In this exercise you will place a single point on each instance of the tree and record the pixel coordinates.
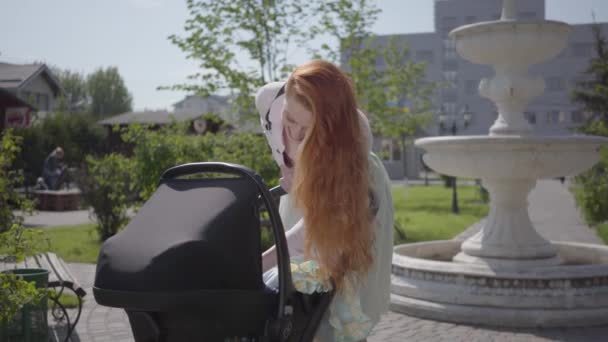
(348, 23)
(240, 45)
(407, 105)
(109, 95)
(75, 96)
(221, 35)
(592, 94)
(395, 96)
(591, 190)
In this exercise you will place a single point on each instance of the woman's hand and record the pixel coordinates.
(286, 180)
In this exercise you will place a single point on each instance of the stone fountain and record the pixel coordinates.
(507, 274)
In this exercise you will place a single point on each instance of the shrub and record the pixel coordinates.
(157, 150)
(591, 187)
(16, 244)
(105, 186)
(591, 192)
(10, 179)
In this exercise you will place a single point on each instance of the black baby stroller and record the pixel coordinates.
(188, 265)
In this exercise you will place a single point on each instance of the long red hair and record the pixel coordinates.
(331, 183)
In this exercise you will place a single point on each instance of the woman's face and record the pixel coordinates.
(296, 122)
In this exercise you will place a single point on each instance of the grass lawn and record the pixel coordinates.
(424, 213)
(602, 231)
(75, 243)
(69, 301)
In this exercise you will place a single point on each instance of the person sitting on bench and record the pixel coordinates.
(54, 172)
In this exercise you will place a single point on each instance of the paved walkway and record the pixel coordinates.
(554, 215)
(42, 219)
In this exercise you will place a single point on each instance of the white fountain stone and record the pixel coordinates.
(508, 167)
(507, 274)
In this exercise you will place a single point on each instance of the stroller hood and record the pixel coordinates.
(192, 234)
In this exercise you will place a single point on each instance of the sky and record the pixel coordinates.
(83, 35)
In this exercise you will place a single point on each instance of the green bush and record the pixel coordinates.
(105, 186)
(591, 187)
(591, 192)
(157, 150)
(10, 179)
(16, 244)
(78, 134)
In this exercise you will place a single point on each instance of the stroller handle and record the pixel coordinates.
(285, 284)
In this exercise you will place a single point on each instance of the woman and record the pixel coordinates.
(339, 196)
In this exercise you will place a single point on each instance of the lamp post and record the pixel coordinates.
(450, 123)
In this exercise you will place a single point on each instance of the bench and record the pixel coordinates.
(60, 279)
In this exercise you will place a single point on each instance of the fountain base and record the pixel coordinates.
(427, 284)
(513, 264)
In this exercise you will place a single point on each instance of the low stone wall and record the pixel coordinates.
(60, 200)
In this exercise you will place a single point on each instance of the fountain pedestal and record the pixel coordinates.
(508, 239)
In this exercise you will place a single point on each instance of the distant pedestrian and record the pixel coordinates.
(54, 170)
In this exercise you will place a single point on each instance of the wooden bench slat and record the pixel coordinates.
(44, 263)
(55, 267)
(62, 269)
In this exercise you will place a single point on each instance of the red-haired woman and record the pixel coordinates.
(339, 205)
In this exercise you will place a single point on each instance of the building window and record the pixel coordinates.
(396, 155)
(449, 95)
(425, 55)
(470, 87)
(582, 49)
(450, 77)
(450, 65)
(526, 15)
(449, 54)
(531, 117)
(42, 101)
(552, 117)
(385, 154)
(391, 150)
(555, 84)
(449, 44)
(26, 96)
(562, 54)
(449, 108)
(449, 49)
(470, 19)
(448, 24)
(577, 116)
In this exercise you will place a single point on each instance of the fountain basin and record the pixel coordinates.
(426, 283)
(509, 42)
(511, 157)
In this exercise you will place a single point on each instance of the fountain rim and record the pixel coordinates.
(512, 140)
(559, 272)
(505, 25)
